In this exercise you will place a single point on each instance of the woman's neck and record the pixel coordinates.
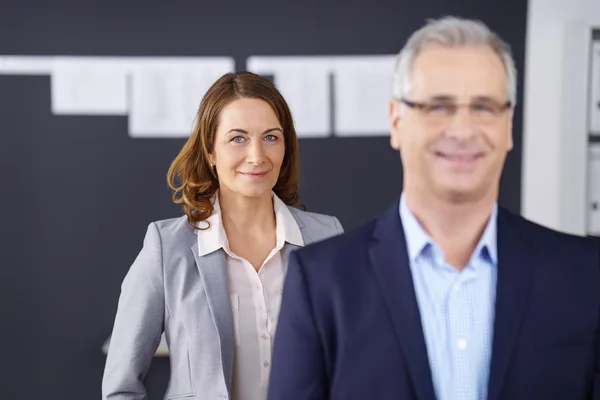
(244, 214)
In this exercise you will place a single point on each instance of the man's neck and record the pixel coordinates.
(456, 226)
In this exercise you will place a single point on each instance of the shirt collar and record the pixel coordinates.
(417, 239)
(214, 237)
(287, 228)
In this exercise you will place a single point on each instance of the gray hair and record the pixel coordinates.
(452, 32)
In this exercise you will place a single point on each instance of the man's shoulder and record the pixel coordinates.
(547, 238)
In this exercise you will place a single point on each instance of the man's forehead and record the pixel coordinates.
(458, 56)
(459, 72)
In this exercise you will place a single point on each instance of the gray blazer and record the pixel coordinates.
(170, 289)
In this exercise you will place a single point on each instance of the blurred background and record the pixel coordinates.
(97, 98)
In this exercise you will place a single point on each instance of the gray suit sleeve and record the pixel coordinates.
(138, 325)
(338, 225)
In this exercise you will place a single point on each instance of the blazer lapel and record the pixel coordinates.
(288, 247)
(213, 271)
(389, 259)
(285, 253)
(516, 261)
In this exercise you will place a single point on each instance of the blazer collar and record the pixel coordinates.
(390, 262)
(212, 267)
(517, 261)
(213, 272)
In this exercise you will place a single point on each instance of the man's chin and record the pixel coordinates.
(460, 191)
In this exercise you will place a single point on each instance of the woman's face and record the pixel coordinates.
(249, 148)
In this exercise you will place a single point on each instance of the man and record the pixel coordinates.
(447, 295)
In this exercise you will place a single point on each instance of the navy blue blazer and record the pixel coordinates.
(349, 326)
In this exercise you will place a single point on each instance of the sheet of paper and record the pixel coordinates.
(362, 89)
(88, 86)
(165, 96)
(594, 190)
(25, 65)
(304, 82)
(594, 110)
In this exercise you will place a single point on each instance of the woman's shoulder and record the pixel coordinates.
(316, 221)
(170, 224)
(173, 230)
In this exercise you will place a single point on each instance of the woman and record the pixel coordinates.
(212, 279)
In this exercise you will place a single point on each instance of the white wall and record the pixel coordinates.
(554, 131)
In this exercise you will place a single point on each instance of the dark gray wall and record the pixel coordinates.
(78, 193)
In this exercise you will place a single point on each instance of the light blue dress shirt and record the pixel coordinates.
(456, 308)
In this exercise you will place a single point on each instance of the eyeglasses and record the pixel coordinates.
(485, 111)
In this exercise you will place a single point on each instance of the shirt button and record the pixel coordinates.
(266, 364)
(266, 336)
(461, 344)
(257, 287)
(261, 310)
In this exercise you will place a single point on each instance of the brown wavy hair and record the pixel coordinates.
(190, 176)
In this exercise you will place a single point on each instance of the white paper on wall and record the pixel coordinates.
(26, 65)
(594, 190)
(304, 83)
(88, 86)
(363, 88)
(594, 99)
(164, 96)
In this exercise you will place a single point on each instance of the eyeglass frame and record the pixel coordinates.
(421, 106)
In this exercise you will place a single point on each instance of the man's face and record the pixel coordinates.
(454, 140)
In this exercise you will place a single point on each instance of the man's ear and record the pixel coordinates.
(510, 141)
(394, 115)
